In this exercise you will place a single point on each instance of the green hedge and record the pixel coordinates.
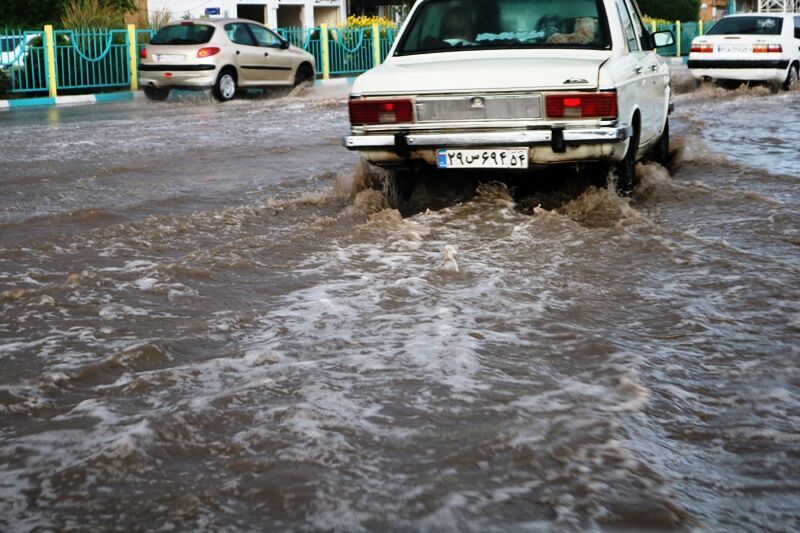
(671, 9)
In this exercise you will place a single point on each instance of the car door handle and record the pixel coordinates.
(638, 70)
(266, 54)
(654, 68)
(238, 52)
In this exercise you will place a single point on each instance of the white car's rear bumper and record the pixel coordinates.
(546, 146)
(744, 70)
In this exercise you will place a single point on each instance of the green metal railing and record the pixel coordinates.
(23, 61)
(350, 51)
(684, 32)
(92, 59)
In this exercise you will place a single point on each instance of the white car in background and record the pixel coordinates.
(13, 49)
(495, 86)
(761, 47)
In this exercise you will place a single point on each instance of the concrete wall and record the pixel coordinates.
(334, 12)
(291, 16)
(326, 15)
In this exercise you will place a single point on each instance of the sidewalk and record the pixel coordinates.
(78, 99)
(122, 96)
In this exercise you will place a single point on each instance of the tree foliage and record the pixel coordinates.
(91, 14)
(685, 10)
(32, 14)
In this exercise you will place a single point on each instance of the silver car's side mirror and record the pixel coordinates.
(662, 39)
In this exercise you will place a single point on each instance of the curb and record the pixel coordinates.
(335, 81)
(79, 99)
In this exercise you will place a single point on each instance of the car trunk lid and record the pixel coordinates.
(477, 73)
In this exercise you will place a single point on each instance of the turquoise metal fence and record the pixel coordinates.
(351, 51)
(23, 60)
(387, 40)
(688, 31)
(92, 59)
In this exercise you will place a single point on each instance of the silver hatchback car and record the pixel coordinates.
(223, 55)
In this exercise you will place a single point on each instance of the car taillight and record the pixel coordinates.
(143, 53)
(208, 52)
(365, 112)
(767, 49)
(702, 48)
(582, 105)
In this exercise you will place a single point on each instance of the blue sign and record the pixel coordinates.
(212, 11)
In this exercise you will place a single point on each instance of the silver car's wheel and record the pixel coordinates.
(793, 78)
(225, 88)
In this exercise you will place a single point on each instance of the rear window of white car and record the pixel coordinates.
(748, 26)
(185, 33)
(9, 44)
(449, 25)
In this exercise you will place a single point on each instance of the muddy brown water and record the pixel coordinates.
(207, 324)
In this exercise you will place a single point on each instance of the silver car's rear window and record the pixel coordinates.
(184, 34)
(748, 26)
(449, 25)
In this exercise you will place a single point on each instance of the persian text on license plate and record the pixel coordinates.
(735, 48)
(490, 158)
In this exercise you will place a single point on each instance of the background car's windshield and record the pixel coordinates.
(442, 25)
(748, 26)
(184, 34)
(8, 44)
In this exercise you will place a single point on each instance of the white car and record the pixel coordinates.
(13, 49)
(753, 47)
(494, 85)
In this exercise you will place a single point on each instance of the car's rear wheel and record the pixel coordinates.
(158, 94)
(660, 152)
(793, 78)
(225, 87)
(304, 74)
(626, 169)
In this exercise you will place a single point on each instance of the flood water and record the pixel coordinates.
(208, 323)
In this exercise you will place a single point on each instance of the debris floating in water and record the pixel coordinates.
(450, 263)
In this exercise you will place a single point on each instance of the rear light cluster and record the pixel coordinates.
(767, 49)
(582, 105)
(208, 52)
(702, 48)
(143, 53)
(373, 112)
(398, 111)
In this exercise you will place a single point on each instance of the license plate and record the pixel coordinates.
(166, 58)
(490, 158)
(735, 48)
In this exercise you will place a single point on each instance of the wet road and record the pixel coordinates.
(209, 323)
